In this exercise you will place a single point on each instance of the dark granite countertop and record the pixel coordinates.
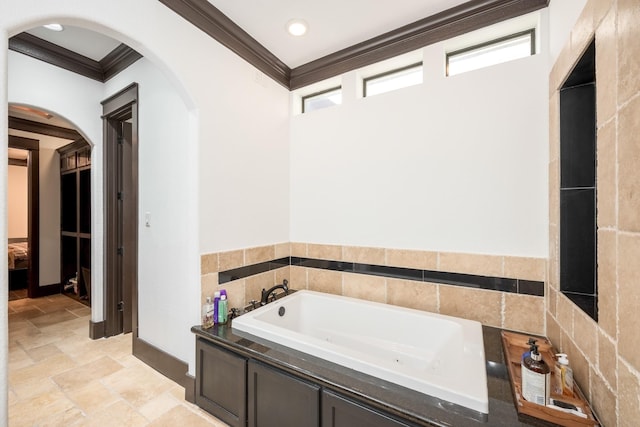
(411, 405)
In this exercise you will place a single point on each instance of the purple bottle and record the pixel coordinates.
(216, 300)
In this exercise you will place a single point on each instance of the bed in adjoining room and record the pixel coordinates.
(18, 251)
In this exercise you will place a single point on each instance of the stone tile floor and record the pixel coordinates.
(17, 294)
(58, 376)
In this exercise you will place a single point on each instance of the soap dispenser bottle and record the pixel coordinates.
(530, 343)
(563, 376)
(535, 378)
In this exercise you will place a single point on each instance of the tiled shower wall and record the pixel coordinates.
(508, 310)
(605, 354)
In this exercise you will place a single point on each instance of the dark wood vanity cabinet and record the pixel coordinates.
(279, 399)
(338, 411)
(244, 392)
(221, 383)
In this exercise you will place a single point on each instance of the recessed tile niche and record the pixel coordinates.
(578, 230)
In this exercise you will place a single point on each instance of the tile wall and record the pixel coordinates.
(605, 354)
(509, 310)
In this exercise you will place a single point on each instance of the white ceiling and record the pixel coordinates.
(85, 42)
(333, 24)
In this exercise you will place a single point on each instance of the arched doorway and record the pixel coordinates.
(41, 133)
(161, 136)
(100, 58)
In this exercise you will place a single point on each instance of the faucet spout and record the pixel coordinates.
(264, 298)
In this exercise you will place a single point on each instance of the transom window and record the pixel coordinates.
(494, 52)
(324, 99)
(392, 80)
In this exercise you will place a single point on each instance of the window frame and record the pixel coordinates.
(531, 32)
(314, 94)
(388, 73)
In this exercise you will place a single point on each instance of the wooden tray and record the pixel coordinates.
(514, 346)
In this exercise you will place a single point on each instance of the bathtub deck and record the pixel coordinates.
(389, 397)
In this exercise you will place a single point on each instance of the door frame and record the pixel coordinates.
(33, 221)
(123, 104)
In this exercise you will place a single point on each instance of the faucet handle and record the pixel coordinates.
(253, 303)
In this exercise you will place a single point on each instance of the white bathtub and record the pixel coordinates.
(437, 355)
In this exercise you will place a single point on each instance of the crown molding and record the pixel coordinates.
(118, 60)
(53, 54)
(216, 24)
(35, 47)
(461, 19)
(43, 128)
(469, 16)
(23, 143)
(18, 162)
(73, 146)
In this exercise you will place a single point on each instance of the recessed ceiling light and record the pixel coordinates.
(54, 27)
(296, 27)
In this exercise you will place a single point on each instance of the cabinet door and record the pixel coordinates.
(221, 383)
(277, 399)
(340, 412)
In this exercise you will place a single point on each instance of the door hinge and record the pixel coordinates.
(120, 139)
(121, 306)
(120, 195)
(120, 250)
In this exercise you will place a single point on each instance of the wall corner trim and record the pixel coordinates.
(97, 330)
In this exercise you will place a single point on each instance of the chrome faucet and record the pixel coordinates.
(264, 299)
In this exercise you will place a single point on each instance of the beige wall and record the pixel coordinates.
(17, 196)
(501, 309)
(49, 214)
(605, 355)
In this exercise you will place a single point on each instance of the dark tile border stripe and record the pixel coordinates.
(518, 286)
(250, 270)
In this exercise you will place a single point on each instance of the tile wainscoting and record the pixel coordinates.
(605, 354)
(499, 291)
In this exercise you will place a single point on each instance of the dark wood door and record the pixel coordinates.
(340, 412)
(121, 211)
(276, 399)
(127, 224)
(120, 121)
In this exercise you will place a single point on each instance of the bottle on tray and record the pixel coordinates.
(535, 378)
